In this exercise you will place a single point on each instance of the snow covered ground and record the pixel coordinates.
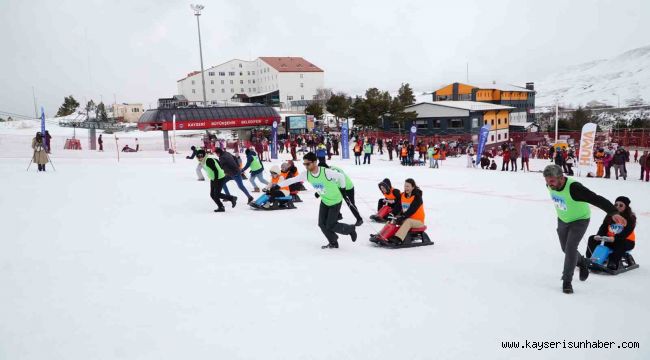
(101, 260)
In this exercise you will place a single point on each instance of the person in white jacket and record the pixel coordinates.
(470, 156)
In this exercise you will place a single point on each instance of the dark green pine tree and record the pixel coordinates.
(69, 106)
(315, 109)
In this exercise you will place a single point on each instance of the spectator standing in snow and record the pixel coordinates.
(199, 166)
(40, 154)
(100, 141)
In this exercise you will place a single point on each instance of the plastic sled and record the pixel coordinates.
(264, 202)
(294, 196)
(382, 214)
(600, 259)
(415, 237)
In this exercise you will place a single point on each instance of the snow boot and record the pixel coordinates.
(200, 179)
(567, 288)
(359, 222)
(250, 199)
(220, 210)
(330, 246)
(584, 269)
(233, 201)
(395, 240)
(256, 189)
(353, 235)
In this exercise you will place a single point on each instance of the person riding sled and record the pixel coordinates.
(274, 197)
(389, 202)
(411, 212)
(624, 241)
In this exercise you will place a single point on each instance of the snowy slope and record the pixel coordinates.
(626, 76)
(100, 260)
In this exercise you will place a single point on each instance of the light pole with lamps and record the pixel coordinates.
(197, 12)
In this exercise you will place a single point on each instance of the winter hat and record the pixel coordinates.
(624, 199)
(275, 169)
(200, 153)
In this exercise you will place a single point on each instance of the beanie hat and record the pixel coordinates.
(624, 199)
(275, 169)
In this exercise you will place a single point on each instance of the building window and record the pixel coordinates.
(301, 76)
(302, 85)
(492, 122)
(222, 82)
(456, 123)
(192, 82)
(241, 90)
(222, 73)
(223, 90)
(498, 121)
(241, 81)
(231, 82)
(253, 81)
(254, 90)
(249, 89)
(253, 72)
(491, 138)
(231, 73)
(422, 124)
(213, 91)
(232, 90)
(498, 136)
(302, 97)
(211, 73)
(289, 97)
(240, 65)
(474, 123)
(211, 82)
(436, 124)
(248, 73)
(193, 91)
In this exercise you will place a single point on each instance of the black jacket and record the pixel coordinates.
(627, 230)
(229, 164)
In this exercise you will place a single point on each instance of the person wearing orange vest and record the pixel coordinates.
(623, 241)
(276, 177)
(391, 196)
(411, 212)
(357, 153)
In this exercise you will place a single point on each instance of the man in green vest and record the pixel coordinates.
(572, 201)
(330, 188)
(367, 151)
(217, 178)
(349, 194)
(256, 167)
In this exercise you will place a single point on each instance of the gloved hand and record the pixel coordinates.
(317, 195)
(274, 187)
(399, 220)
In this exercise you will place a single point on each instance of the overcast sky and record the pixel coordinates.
(136, 50)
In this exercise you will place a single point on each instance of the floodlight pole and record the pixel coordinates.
(197, 12)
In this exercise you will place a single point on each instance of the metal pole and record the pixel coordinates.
(198, 26)
(35, 107)
(556, 119)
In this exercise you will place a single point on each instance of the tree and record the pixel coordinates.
(580, 117)
(323, 95)
(101, 112)
(405, 95)
(359, 111)
(69, 106)
(639, 123)
(377, 104)
(90, 106)
(339, 106)
(315, 109)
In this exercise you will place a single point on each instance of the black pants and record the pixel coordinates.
(328, 221)
(570, 235)
(366, 156)
(619, 248)
(390, 154)
(215, 192)
(41, 167)
(352, 205)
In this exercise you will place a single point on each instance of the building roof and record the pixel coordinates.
(250, 111)
(467, 105)
(502, 87)
(190, 74)
(290, 64)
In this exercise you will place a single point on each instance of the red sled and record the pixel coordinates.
(415, 237)
(382, 214)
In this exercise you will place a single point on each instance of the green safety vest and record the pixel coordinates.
(348, 182)
(220, 173)
(367, 148)
(255, 164)
(329, 191)
(567, 208)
